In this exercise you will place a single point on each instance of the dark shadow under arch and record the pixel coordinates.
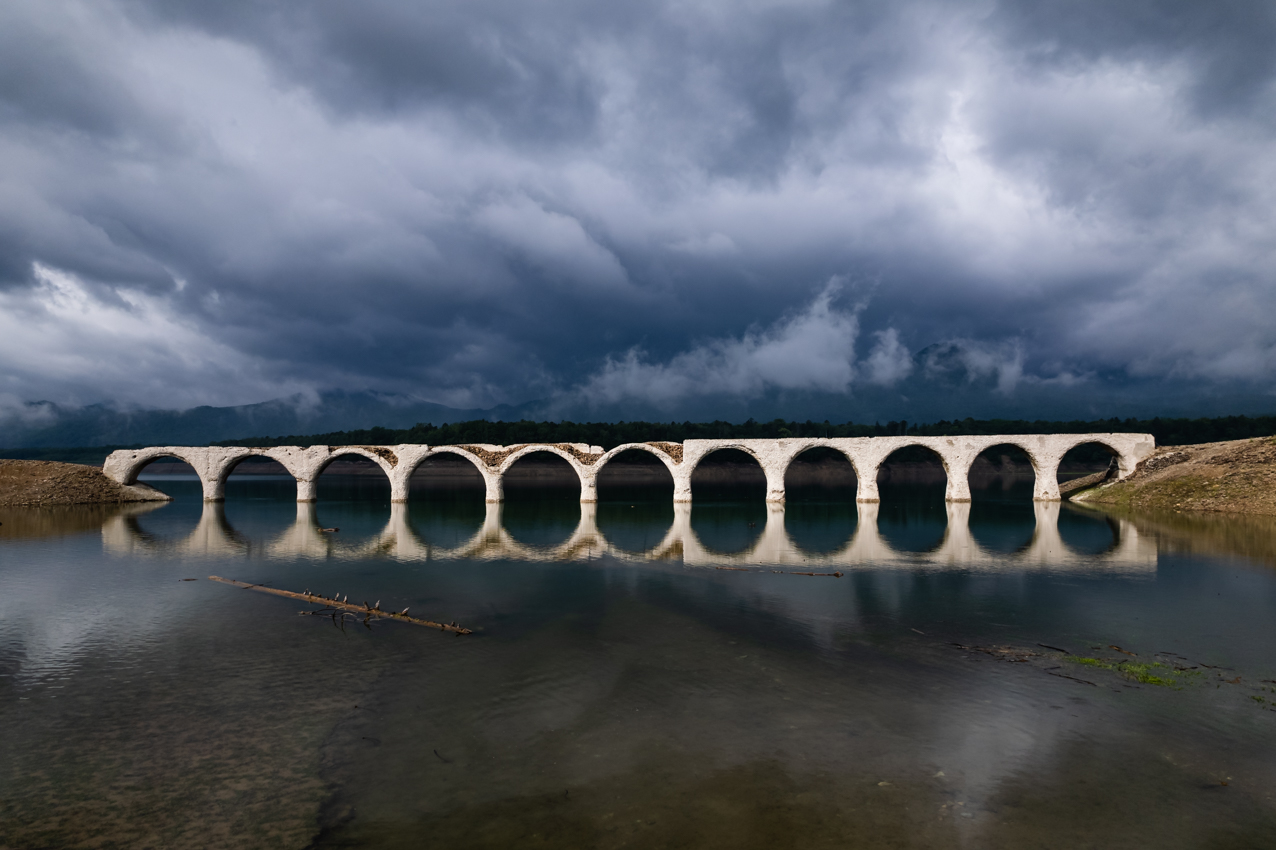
(1001, 483)
(728, 501)
(634, 471)
(912, 473)
(1002, 473)
(258, 477)
(351, 477)
(541, 475)
(446, 476)
(635, 501)
(1086, 459)
(259, 497)
(728, 475)
(170, 475)
(162, 465)
(542, 500)
(820, 474)
(912, 516)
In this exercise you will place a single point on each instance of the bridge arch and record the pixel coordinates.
(584, 476)
(1126, 460)
(1127, 449)
(916, 451)
(540, 523)
(229, 463)
(693, 463)
(383, 458)
(491, 481)
(630, 511)
(611, 455)
(1090, 450)
(649, 470)
(817, 450)
(995, 459)
(746, 460)
(523, 451)
(130, 468)
(125, 466)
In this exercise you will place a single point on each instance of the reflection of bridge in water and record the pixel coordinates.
(214, 536)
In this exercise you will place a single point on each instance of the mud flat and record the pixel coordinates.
(41, 483)
(1238, 476)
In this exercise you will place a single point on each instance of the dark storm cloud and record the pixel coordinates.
(489, 202)
(1229, 43)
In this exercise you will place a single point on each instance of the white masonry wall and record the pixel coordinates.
(866, 454)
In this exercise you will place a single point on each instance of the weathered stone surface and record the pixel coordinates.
(866, 454)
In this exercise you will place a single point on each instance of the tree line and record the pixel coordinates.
(1168, 432)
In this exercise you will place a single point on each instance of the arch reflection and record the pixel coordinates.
(405, 537)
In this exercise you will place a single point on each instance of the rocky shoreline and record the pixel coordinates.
(44, 483)
(1238, 476)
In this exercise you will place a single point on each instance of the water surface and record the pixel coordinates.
(641, 674)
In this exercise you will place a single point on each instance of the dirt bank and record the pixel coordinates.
(37, 483)
(1232, 477)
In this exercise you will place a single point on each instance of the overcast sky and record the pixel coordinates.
(643, 204)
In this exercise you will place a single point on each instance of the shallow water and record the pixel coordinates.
(641, 674)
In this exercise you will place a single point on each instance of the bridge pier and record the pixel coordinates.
(307, 490)
(1045, 488)
(775, 482)
(958, 488)
(682, 486)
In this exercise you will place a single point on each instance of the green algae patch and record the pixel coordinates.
(1143, 672)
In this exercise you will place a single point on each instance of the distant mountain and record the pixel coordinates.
(44, 424)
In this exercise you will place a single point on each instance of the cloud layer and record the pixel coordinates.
(483, 202)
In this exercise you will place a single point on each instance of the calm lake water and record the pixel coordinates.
(640, 675)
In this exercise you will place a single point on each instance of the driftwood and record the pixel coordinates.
(819, 575)
(780, 572)
(339, 605)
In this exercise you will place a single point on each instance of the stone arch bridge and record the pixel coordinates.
(214, 464)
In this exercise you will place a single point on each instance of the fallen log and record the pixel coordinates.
(365, 609)
(818, 575)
